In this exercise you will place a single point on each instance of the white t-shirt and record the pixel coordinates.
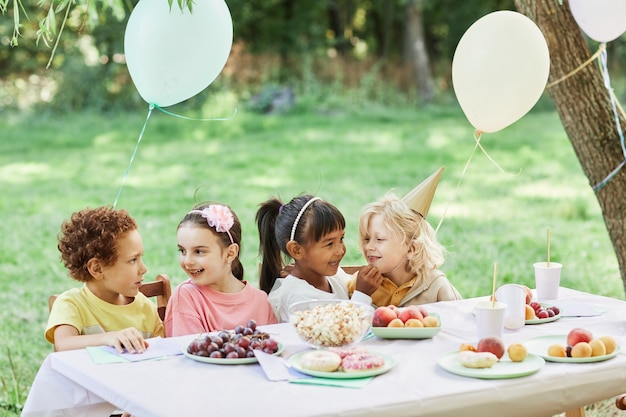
(291, 289)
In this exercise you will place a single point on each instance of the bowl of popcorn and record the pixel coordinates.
(330, 323)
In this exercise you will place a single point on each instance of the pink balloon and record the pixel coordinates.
(601, 20)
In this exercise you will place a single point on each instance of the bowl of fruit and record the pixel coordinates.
(232, 347)
(330, 323)
(410, 322)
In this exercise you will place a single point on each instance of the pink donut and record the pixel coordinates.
(320, 360)
(361, 362)
(345, 351)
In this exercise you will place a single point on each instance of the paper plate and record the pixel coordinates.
(294, 362)
(503, 369)
(539, 346)
(407, 332)
(548, 320)
(226, 361)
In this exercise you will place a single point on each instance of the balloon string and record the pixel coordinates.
(190, 118)
(477, 135)
(132, 158)
(614, 106)
(601, 48)
(477, 139)
(458, 184)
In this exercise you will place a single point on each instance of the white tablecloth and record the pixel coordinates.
(415, 386)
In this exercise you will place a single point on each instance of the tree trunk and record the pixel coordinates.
(416, 48)
(583, 104)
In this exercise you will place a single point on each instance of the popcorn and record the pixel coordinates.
(332, 324)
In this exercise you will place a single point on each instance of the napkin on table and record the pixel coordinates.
(159, 348)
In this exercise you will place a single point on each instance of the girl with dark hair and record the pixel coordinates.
(215, 297)
(310, 231)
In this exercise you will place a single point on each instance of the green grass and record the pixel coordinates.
(349, 154)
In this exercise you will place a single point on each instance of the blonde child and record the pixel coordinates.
(102, 247)
(396, 239)
(310, 231)
(215, 297)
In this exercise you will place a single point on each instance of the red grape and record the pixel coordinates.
(230, 344)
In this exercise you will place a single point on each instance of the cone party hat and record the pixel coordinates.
(421, 196)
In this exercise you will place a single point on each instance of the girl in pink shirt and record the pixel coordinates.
(215, 297)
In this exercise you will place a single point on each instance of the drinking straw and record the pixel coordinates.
(548, 247)
(493, 288)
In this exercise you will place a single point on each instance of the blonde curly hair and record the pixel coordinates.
(425, 252)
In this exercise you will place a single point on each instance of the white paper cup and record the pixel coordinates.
(514, 296)
(547, 280)
(489, 318)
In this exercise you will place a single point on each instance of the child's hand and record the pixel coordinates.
(368, 280)
(130, 339)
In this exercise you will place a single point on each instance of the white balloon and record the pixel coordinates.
(500, 69)
(601, 20)
(174, 54)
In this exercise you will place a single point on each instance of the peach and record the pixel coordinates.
(491, 344)
(529, 294)
(578, 335)
(406, 313)
(597, 347)
(557, 350)
(530, 313)
(423, 311)
(396, 323)
(581, 350)
(413, 323)
(517, 352)
(609, 344)
(383, 316)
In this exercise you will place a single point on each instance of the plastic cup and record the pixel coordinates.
(514, 296)
(547, 280)
(489, 318)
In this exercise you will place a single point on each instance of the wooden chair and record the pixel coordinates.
(161, 288)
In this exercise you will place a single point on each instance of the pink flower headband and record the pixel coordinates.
(218, 216)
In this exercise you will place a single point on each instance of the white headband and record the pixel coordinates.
(295, 222)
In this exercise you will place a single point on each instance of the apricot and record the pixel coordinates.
(530, 313)
(609, 344)
(597, 347)
(557, 350)
(396, 323)
(467, 346)
(430, 321)
(491, 344)
(413, 323)
(581, 350)
(578, 335)
(517, 352)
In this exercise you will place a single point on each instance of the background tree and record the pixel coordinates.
(583, 104)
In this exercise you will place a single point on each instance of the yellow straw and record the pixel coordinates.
(548, 248)
(493, 288)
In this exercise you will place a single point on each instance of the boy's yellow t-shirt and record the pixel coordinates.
(80, 308)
